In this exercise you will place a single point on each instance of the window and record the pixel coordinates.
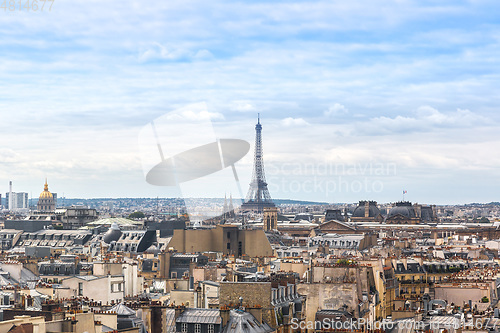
(184, 327)
(228, 235)
(197, 328)
(116, 287)
(80, 288)
(211, 328)
(229, 246)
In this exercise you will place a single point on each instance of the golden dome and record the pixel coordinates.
(46, 194)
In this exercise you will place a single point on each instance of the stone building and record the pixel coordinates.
(46, 200)
(278, 298)
(270, 218)
(344, 286)
(333, 214)
(404, 212)
(338, 227)
(228, 239)
(367, 211)
(105, 289)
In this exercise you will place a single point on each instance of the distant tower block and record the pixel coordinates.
(258, 195)
(270, 218)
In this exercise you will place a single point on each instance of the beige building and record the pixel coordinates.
(132, 281)
(227, 239)
(270, 218)
(278, 299)
(385, 285)
(336, 286)
(25, 323)
(462, 293)
(105, 289)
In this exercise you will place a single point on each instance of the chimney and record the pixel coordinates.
(191, 283)
(156, 318)
(405, 262)
(179, 310)
(224, 313)
(200, 297)
(256, 311)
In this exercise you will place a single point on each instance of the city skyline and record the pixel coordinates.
(372, 99)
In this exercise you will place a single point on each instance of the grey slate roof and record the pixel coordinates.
(200, 316)
(170, 320)
(241, 321)
(122, 310)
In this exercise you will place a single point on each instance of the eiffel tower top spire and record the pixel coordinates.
(231, 207)
(258, 195)
(225, 208)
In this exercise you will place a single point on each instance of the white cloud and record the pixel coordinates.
(243, 106)
(8, 155)
(157, 51)
(75, 69)
(191, 115)
(461, 117)
(336, 110)
(289, 122)
(203, 55)
(426, 119)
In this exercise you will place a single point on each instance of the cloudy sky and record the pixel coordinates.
(358, 99)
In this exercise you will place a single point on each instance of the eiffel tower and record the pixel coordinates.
(258, 195)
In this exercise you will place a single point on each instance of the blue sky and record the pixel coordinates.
(361, 87)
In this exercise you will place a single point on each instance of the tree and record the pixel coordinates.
(485, 299)
(136, 215)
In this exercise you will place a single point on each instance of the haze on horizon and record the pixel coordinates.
(357, 100)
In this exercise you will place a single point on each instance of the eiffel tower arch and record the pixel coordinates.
(258, 196)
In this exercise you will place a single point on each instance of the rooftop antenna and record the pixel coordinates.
(10, 206)
(157, 220)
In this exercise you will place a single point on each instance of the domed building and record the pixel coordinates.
(404, 212)
(113, 234)
(367, 211)
(46, 200)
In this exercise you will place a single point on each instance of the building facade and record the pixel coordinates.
(46, 201)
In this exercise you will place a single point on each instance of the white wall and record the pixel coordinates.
(104, 289)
